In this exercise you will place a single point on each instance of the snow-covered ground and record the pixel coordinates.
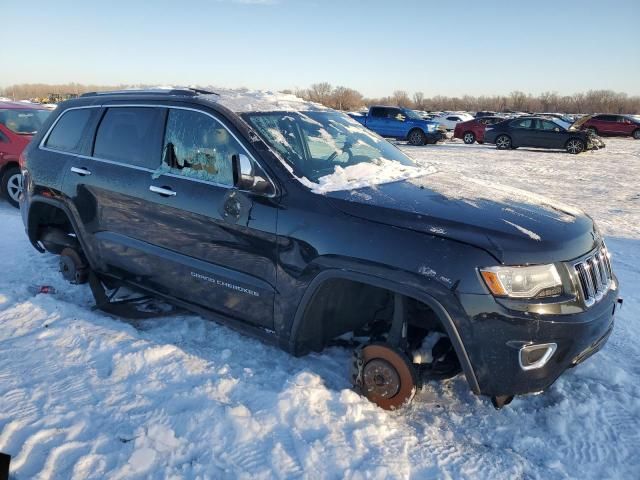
(84, 395)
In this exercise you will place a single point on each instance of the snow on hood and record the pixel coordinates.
(241, 101)
(366, 174)
(473, 190)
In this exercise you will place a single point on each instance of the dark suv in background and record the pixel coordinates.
(298, 225)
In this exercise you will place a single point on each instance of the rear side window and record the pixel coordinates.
(378, 112)
(69, 131)
(525, 123)
(131, 135)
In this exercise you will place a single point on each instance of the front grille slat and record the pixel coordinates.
(594, 275)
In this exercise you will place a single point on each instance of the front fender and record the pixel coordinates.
(394, 285)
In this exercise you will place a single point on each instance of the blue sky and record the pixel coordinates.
(439, 48)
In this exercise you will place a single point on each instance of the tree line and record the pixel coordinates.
(344, 98)
(592, 101)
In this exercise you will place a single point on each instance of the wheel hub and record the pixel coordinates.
(380, 379)
(385, 376)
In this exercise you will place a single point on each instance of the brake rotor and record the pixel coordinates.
(388, 377)
(72, 266)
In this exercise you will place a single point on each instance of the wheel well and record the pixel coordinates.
(46, 219)
(468, 131)
(342, 307)
(8, 165)
(415, 129)
(573, 138)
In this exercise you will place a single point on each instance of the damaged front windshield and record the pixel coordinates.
(316, 144)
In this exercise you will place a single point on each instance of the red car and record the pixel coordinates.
(620, 125)
(18, 123)
(473, 130)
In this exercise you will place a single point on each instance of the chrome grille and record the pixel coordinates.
(594, 275)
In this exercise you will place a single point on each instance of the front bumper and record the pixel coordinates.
(498, 334)
(435, 136)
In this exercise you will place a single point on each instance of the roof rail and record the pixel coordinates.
(186, 91)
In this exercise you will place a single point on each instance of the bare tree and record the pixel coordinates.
(344, 98)
(418, 101)
(320, 92)
(401, 98)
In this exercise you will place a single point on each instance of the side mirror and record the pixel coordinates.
(244, 175)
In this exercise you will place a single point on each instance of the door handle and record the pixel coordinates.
(164, 191)
(80, 171)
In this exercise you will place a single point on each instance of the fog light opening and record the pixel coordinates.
(536, 356)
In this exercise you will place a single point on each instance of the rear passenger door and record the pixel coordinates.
(108, 186)
(378, 121)
(522, 132)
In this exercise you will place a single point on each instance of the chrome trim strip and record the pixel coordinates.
(42, 146)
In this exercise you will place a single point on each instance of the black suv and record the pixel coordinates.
(295, 223)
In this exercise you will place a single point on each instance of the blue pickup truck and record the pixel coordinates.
(401, 124)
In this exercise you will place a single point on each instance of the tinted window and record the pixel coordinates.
(524, 123)
(547, 125)
(454, 119)
(395, 114)
(68, 133)
(131, 135)
(378, 112)
(606, 118)
(3, 138)
(23, 121)
(198, 146)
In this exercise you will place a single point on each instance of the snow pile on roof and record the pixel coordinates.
(366, 174)
(262, 101)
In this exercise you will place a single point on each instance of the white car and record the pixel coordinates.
(450, 120)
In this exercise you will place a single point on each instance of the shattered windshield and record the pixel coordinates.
(317, 143)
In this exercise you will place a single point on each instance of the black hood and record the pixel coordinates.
(515, 226)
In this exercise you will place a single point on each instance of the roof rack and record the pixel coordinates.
(186, 91)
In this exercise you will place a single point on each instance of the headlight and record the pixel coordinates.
(523, 282)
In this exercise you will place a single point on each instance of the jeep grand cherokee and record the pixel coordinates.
(293, 222)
